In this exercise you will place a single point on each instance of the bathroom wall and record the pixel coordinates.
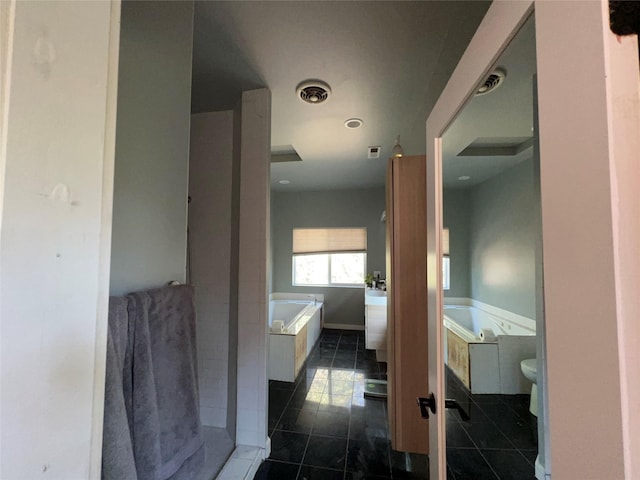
(56, 165)
(253, 248)
(502, 240)
(210, 239)
(457, 218)
(152, 145)
(334, 208)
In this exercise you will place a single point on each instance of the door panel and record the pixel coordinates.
(406, 303)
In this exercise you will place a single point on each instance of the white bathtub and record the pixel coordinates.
(301, 316)
(293, 313)
(491, 365)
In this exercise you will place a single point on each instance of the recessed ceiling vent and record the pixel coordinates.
(493, 81)
(313, 91)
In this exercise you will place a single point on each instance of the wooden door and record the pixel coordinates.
(407, 302)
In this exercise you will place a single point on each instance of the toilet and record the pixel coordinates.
(530, 371)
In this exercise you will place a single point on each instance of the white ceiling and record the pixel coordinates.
(386, 63)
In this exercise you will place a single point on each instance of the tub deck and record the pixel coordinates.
(491, 366)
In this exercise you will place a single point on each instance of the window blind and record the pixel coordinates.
(328, 240)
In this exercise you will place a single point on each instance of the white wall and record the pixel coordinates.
(625, 118)
(592, 371)
(210, 230)
(152, 146)
(332, 208)
(253, 243)
(58, 130)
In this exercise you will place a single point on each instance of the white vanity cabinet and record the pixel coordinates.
(375, 322)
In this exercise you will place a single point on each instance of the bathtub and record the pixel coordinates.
(295, 322)
(294, 314)
(490, 364)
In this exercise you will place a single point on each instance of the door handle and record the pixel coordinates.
(429, 403)
(452, 403)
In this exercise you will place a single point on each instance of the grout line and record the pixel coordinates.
(346, 451)
(346, 448)
(314, 418)
(303, 455)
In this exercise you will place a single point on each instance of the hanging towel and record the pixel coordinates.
(166, 428)
(117, 450)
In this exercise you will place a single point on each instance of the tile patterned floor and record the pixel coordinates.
(322, 427)
(500, 442)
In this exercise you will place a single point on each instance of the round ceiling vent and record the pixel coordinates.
(493, 81)
(313, 91)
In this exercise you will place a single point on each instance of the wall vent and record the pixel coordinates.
(493, 81)
(374, 152)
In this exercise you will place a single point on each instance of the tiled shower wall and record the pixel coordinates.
(252, 269)
(210, 189)
(229, 218)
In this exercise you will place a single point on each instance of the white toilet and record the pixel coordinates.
(530, 370)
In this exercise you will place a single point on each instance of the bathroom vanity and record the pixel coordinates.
(375, 322)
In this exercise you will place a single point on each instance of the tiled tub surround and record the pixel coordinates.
(322, 427)
(490, 364)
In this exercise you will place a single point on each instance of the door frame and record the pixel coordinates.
(499, 26)
(590, 211)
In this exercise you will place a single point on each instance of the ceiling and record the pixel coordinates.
(498, 124)
(386, 63)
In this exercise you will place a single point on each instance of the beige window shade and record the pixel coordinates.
(326, 240)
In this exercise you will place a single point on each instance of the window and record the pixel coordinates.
(445, 273)
(446, 278)
(329, 256)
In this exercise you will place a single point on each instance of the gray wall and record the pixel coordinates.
(457, 218)
(493, 230)
(152, 145)
(504, 230)
(336, 208)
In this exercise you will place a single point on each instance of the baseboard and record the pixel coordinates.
(343, 326)
(243, 463)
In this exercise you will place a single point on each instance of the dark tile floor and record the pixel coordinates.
(499, 442)
(322, 427)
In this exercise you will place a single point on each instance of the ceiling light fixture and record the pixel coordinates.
(464, 178)
(397, 149)
(313, 91)
(285, 182)
(353, 123)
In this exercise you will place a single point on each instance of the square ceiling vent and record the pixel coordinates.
(374, 152)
